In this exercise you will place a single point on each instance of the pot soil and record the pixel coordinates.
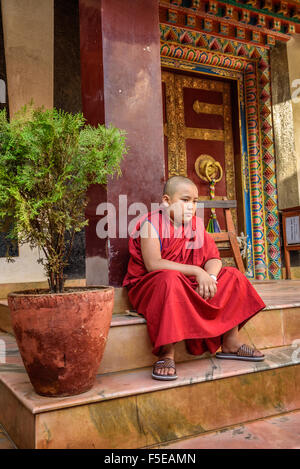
(62, 336)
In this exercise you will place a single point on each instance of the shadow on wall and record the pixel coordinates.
(67, 94)
(3, 79)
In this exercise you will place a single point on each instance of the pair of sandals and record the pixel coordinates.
(244, 353)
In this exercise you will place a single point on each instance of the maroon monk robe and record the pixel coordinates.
(168, 299)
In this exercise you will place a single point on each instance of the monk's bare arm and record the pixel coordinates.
(150, 247)
(213, 266)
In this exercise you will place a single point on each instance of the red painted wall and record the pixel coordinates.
(121, 84)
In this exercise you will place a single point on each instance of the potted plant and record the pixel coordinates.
(48, 159)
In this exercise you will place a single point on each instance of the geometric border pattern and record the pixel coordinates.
(253, 62)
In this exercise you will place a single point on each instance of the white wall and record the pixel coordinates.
(28, 29)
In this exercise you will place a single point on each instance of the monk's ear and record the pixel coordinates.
(165, 200)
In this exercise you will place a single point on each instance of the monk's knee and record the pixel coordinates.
(169, 275)
(234, 272)
(231, 270)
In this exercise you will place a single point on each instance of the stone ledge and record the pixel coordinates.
(131, 410)
(5, 442)
(270, 328)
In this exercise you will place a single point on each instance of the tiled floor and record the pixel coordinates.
(281, 432)
(279, 293)
(5, 443)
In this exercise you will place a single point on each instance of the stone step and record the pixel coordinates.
(129, 409)
(5, 442)
(280, 432)
(278, 325)
(270, 328)
(128, 334)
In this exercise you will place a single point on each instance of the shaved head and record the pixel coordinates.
(174, 182)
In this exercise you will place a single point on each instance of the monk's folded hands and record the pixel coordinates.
(207, 287)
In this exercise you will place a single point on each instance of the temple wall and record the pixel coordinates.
(284, 127)
(28, 38)
(42, 58)
(293, 53)
(28, 41)
(128, 90)
(43, 63)
(67, 95)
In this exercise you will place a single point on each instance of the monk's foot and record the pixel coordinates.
(166, 371)
(232, 346)
(166, 352)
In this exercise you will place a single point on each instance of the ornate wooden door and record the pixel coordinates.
(197, 122)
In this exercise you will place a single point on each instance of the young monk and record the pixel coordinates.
(176, 281)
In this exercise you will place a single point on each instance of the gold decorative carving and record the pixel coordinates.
(229, 156)
(170, 127)
(204, 134)
(206, 108)
(165, 129)
(177, 132)
(208, 169)
(185, 65)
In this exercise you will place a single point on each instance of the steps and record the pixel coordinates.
(5, 442)
(278, 325)
(128, 409)
(270, 328)
(281, 432)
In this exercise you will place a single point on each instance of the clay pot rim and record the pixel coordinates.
(81, 290)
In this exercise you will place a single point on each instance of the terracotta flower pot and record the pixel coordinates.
(62, 336)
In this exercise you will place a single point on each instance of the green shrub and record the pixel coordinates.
(48, 159)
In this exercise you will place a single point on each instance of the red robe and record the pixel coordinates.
(168, 299)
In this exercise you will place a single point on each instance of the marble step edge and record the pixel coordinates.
(221, 430)
(123, 384)
(131, 317)
(125, 318)
(267, 330)
(132, 313)
(5, 440)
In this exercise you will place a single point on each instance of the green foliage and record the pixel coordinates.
(48, 159)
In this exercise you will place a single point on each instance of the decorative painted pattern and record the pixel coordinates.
(264, 22)
(253, 63)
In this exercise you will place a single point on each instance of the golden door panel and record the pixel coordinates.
(197, 122)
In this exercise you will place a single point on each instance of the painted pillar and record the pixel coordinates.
(121, 84)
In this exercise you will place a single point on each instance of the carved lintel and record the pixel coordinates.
(207, 108)
(204, 134)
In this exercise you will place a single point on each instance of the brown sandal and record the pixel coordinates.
(244, 353)
(164, 363)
